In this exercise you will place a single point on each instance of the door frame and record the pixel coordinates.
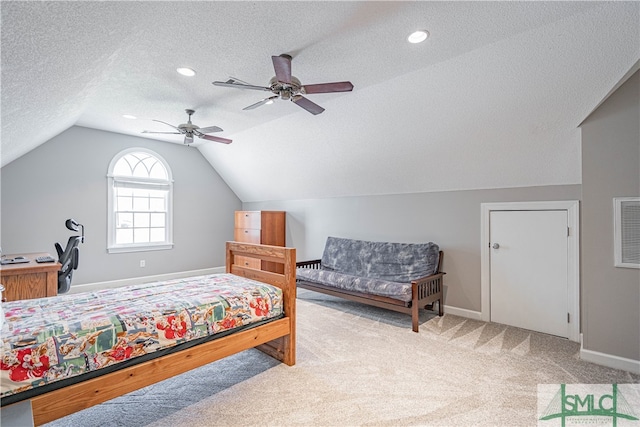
(572, 207)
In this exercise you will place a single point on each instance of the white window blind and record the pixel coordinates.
(627, 231)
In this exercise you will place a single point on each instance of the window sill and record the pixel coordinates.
(145, 248)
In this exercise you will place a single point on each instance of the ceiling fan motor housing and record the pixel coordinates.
(188, 127)
(285, 90)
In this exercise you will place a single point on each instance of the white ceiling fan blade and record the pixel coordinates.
(236, 84)
(210, 129)
(237, 80)
(168, 124)
(259, 103)
(168, 133)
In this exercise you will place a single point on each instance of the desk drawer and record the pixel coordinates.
(24, 286)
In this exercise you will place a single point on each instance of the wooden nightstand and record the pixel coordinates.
(29, 280)
(262, 227)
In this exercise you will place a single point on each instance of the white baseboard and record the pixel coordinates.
(90, 287)
(462, 312)
(610, 360)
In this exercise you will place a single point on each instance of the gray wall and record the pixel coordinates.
(610, 168)
(451, 219)
(66, 177)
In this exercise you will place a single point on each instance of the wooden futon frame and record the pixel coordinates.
(276, 338)
(424, 292)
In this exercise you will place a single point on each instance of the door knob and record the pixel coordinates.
(495, 246)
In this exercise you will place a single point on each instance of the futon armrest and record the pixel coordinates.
(428, 285)
(314, 264)
(429, 278)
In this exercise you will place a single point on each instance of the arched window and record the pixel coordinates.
(140, 191)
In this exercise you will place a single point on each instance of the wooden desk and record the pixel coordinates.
(29, 280)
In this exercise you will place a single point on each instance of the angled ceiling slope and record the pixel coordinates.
(491, 99)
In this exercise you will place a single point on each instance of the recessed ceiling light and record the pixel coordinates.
(418, 36)
(129, 116)
(186, 71)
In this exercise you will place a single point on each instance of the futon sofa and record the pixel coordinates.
(403, 277)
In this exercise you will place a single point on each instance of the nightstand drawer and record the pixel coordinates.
(248, 262)
(248, 219)
(246, 235)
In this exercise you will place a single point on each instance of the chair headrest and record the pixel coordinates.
(72, 224)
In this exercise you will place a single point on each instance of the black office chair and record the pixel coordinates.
(69, 257)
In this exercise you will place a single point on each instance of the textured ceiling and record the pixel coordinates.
(492, 99)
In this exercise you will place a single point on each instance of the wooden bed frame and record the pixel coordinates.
(276, 338)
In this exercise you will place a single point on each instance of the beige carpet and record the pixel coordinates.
(360, 366)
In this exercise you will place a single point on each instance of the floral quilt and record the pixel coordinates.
(49, 339)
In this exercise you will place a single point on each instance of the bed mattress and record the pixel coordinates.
(53, 339)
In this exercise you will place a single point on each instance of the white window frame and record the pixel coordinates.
(112, 247)
(618, 231)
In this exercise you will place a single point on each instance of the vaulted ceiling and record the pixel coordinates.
(492, 99)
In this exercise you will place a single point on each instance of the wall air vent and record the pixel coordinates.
(626, 212)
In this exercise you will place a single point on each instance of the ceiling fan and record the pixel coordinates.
(189, 130)
(285, 86)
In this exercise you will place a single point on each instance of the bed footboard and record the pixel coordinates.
(282, 348)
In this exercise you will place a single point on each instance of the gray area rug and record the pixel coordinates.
(359, 366)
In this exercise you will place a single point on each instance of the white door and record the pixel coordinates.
(528, 270)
